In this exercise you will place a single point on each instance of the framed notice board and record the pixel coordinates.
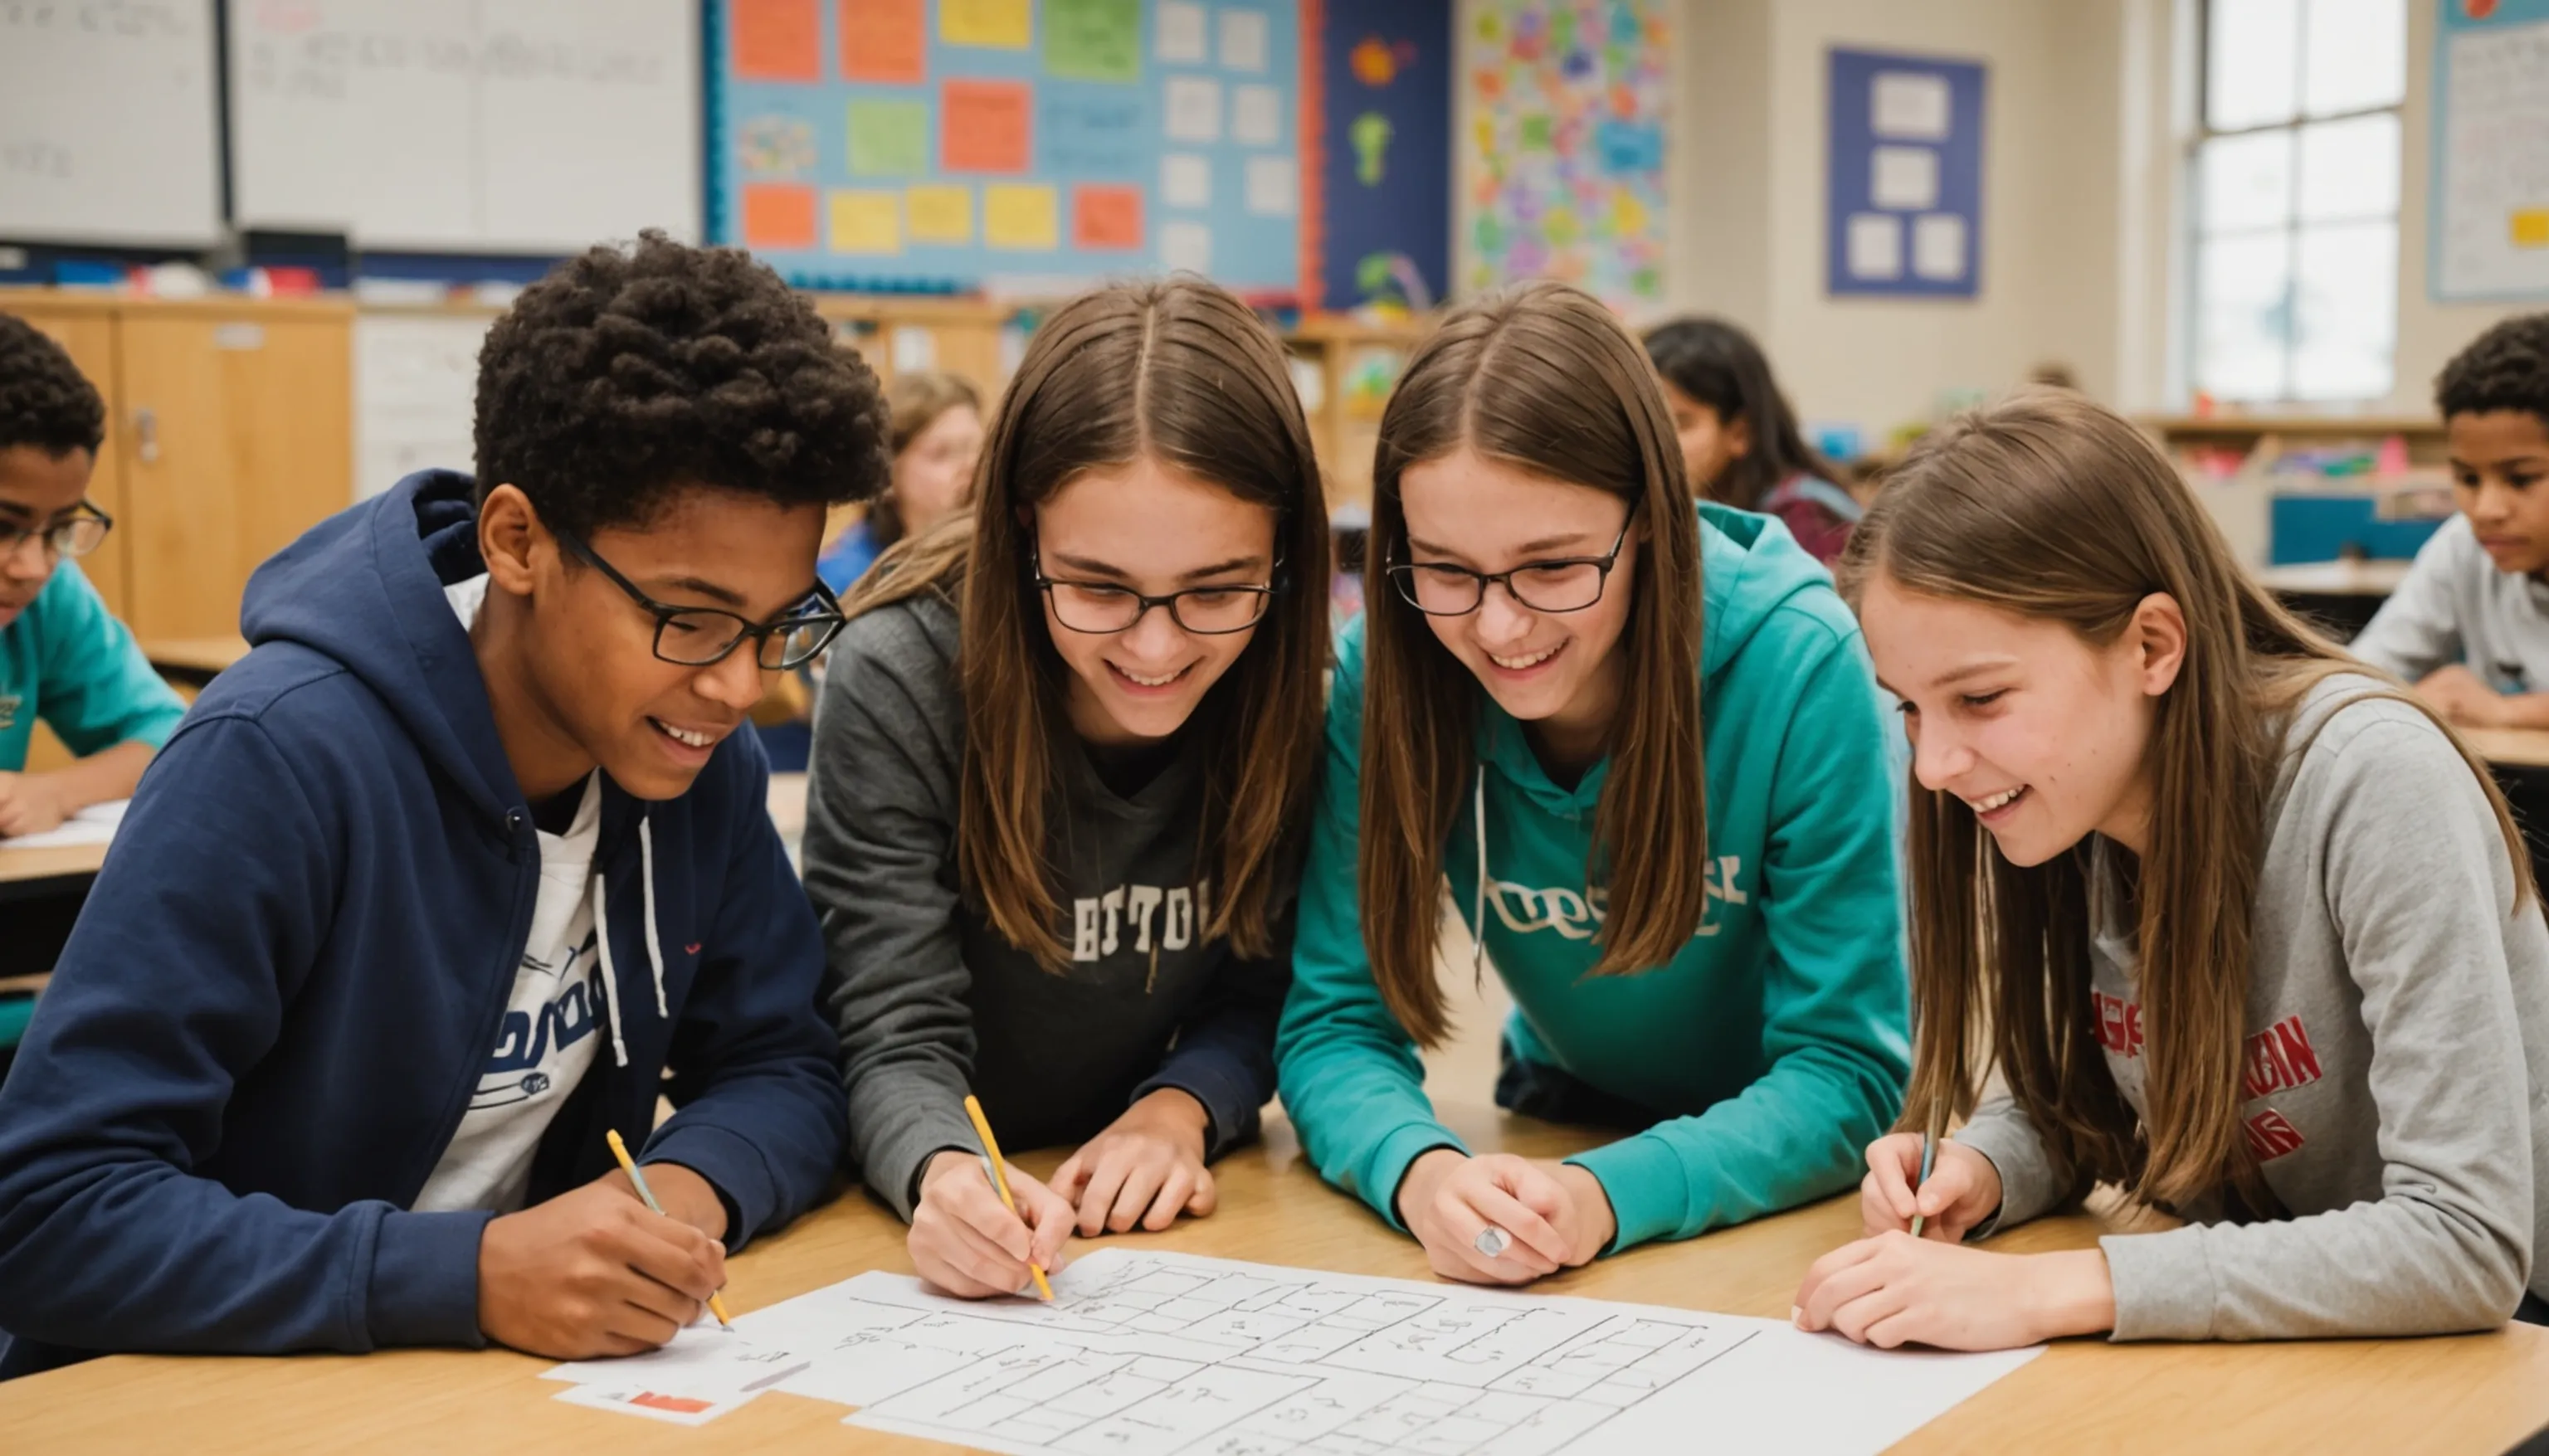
(1904, 177)
(1027, 144)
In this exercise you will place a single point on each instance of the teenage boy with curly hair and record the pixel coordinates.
(460, 864)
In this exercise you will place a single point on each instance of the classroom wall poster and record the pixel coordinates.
(2489, 230)
(1563, 169)
(1904, 176)
(1020, 146)
(1381, 228)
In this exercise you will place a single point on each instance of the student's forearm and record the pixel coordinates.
(100, 777)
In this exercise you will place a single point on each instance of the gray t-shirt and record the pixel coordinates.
(2395, 1069)
(2456, 607)
(931, 1001)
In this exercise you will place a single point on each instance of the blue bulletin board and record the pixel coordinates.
(1027, 144)
(1380, 227)
(1904, 178)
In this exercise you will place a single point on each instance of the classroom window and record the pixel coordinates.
(2295, 184)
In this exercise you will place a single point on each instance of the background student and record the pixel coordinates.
(1062, 875)
(435, 886)
(2253, 936)
(1739, 441)
(935, 433)
(2468, 626)
(1642, 744)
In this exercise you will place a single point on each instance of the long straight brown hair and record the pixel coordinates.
(1179, 372)
(1545, 379)
(2051, 507)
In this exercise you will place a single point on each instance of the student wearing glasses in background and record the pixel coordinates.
(1065, 754)
(1642, 744)
(466, 864)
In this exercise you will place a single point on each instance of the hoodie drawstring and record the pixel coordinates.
(1478, 898)
(654, 948)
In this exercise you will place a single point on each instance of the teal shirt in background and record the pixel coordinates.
(1775, 1044)
(67, 661)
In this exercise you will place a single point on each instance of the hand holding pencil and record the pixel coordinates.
(966, 1240)
(1931, 1187)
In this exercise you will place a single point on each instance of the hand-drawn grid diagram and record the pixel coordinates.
(1277, 1368)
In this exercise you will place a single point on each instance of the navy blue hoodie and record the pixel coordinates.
(291, 972)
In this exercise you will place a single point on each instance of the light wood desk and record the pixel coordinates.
(2476, 1394)
(2515, 748)
(194, 660)
(25, 873)
(2336, 578)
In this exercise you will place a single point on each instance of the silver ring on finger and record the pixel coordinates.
(1492, 1242)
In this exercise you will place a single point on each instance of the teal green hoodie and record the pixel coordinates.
(1774, 1042)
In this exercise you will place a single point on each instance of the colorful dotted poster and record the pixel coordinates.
(1563, 169)
(1031, 145)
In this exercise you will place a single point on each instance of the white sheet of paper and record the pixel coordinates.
(1274, 186)
(1185, 247)
(1876, 245)
(1909, 106)
(1185, 180)
(1150, 1353)
(638, 1400)
(1256, 115)
(94, 824)
(1182, 33)
(1904, 178)
(1938, 247)
(1243, 40)
(1194, 109)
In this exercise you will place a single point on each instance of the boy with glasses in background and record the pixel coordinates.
(464, 866)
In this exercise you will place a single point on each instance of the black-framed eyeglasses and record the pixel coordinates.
(76, 534)
(697, 636)
(1098, 607)
(1560, 583)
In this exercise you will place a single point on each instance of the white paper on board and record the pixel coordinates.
(1274, 186)
(1181, 31)
(1243, 40)
(1194, 109)
(1185, 247)
(915, 349)
(1257, 116)
(1904, 178)
(1938, 247)
(1876, 246)
(1909, 106)
(1185, 180)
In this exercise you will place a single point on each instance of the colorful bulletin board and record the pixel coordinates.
(1026, 144)
(2489, 225)
(1563, 169)
(1381, 231)
(1904, 181)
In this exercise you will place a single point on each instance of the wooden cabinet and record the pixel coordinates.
(90, 338)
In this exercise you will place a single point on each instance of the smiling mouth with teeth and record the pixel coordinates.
(1999, 800)
(681, 735)
(1518, 664)
(1139, 680)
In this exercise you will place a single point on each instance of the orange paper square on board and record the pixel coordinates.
(777, 218)
(1107, 217)
(776, 39)
(985, 125)
(886, 41)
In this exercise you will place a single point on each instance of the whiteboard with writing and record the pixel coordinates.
(2491, 196)
(470, 126)
(107, 121)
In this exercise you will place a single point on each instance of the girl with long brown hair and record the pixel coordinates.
(1640, 741)
(1065, 749)
(934, 431)
(2240, 927)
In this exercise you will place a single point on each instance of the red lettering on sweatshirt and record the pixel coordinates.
(2120, 1023)
(2280, 1058)
(2271, 1135)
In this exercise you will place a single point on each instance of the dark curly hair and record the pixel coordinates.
(2505, 368)
(626, 375)
(45, 401)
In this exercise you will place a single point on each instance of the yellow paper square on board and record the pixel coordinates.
(1021, 217)
(1007, 23)
(2531, 228)
(866, 222)
(940, 213)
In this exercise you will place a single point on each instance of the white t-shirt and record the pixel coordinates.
(553, 1022)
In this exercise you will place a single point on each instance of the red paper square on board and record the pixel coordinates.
(985, 125)
(886, 41)
(777, 218)
(1107, 217)
(776, 39)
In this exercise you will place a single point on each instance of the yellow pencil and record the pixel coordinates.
(1000, 1181)
(628, 1165)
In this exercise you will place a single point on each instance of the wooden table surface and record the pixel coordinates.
(2474, 1394)
(2518, 747)
(194, 659)
(20, 865)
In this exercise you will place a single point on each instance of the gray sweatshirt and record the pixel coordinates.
(931, 1001)
(2456, 607)
(2397, 1065)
